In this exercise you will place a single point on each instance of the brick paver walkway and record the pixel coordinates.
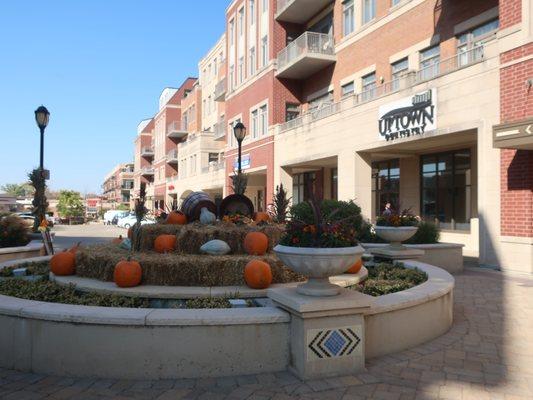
(488, 354)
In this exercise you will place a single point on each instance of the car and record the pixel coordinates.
(111, 214)
(130, 220)
(29, 216)
(29, 220)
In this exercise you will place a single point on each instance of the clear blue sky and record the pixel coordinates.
(99, 67)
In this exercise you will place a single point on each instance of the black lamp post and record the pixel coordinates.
(239, 130)
(41, 117)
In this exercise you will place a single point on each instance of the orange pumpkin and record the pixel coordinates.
(256, 243)
(261, 216)
(117, 240)
(74, 249)
(165, 243)
(176, 218)
(130, 232)
(63, 264)
(258, 274)
(127, 273)
(354, 269)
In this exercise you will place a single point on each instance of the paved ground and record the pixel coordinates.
(67, 236)
(488, 354)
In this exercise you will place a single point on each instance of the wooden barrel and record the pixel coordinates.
(236, 204)
(193, 204)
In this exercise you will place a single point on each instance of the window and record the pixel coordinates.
(385, 185)
(347, 89)
(264, 51)
(265, 5)
(334, 184)
(369, 10)
(398, 69)
(241, 22)
(369, 86)
(232, 140)
(241, 69)
(204, 108)
(446, 189)
(348, 19)
(395, 2)
(468, 44)
(252, 12)
(231, 32)
(292, 111)
(215, 67)
(303, 186)
(252, 61)
(255, 123)
(231, 77)
(263, 119)
(213, 158)
(209, 104)
(429, 62)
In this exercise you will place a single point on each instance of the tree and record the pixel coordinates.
(70, 204)
(18, 189)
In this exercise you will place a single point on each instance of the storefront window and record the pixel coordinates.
(334, 184)
(303, 187)
(386, 184)
(446, 192)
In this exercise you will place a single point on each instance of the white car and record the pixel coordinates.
(129, 221)
(110, 214)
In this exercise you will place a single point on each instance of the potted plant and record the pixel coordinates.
(319, 242)
(396, 227)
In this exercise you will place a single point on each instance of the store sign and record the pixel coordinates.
(413, 115)
(246, 162)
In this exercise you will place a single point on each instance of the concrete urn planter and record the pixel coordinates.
(396, 235)
(318, 264)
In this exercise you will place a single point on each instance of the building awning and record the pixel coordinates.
(515, 135)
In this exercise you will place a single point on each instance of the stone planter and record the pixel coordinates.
(396, 235)
(318, 264)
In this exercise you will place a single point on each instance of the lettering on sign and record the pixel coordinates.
(414, 115)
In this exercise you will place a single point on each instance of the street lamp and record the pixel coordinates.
(239, 130)
(41, 117)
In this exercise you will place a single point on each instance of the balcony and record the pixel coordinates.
(147, 152)
(308, 54)
(220, 131)
(299, 11)
(220, 90)
(148, 171)
(410, 79)
(172, 157)
(176, 130)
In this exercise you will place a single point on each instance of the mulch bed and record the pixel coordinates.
(177, 269)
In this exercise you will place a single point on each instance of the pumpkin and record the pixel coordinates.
(354, 269)
(62, 264)
(256, 243)
(261, 216)
(117, 240)
(176, 218)
(258, 274)
(165, 243)
(74, 249)
(130, 232)
(127, 273)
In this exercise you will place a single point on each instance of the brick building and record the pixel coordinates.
(422, 103)
(118, 186)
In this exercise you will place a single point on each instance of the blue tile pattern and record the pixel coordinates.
(334, 342)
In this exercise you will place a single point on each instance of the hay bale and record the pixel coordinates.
(98, 262)
(191, 237)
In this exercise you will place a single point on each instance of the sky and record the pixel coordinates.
(99, 67)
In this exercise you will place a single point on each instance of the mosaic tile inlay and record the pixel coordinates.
(330, 343)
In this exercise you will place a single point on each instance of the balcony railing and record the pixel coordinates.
(306, 55)
(172, 157)
(213, 166)
(299, 11)
(177, 129)
(220, 90)
(220, 130)
(147, 171)
(410, 79)
(147, 152)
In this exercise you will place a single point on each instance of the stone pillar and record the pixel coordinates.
(355, 180)
(327, 333)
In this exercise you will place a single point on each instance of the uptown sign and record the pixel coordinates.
(414, 115)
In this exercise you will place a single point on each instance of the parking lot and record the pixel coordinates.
(68, 235)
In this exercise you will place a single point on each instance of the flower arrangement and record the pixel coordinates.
(237, 219)
(395, 219)
(337, 228)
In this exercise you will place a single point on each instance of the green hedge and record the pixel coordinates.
(386, 278)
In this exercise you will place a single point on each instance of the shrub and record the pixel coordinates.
(280, 204)
(13, 232)
(397, 219)
(51, 292)
(328, 224)
(32, 268)
(208, 302)
(386, 278)
(427, 233)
